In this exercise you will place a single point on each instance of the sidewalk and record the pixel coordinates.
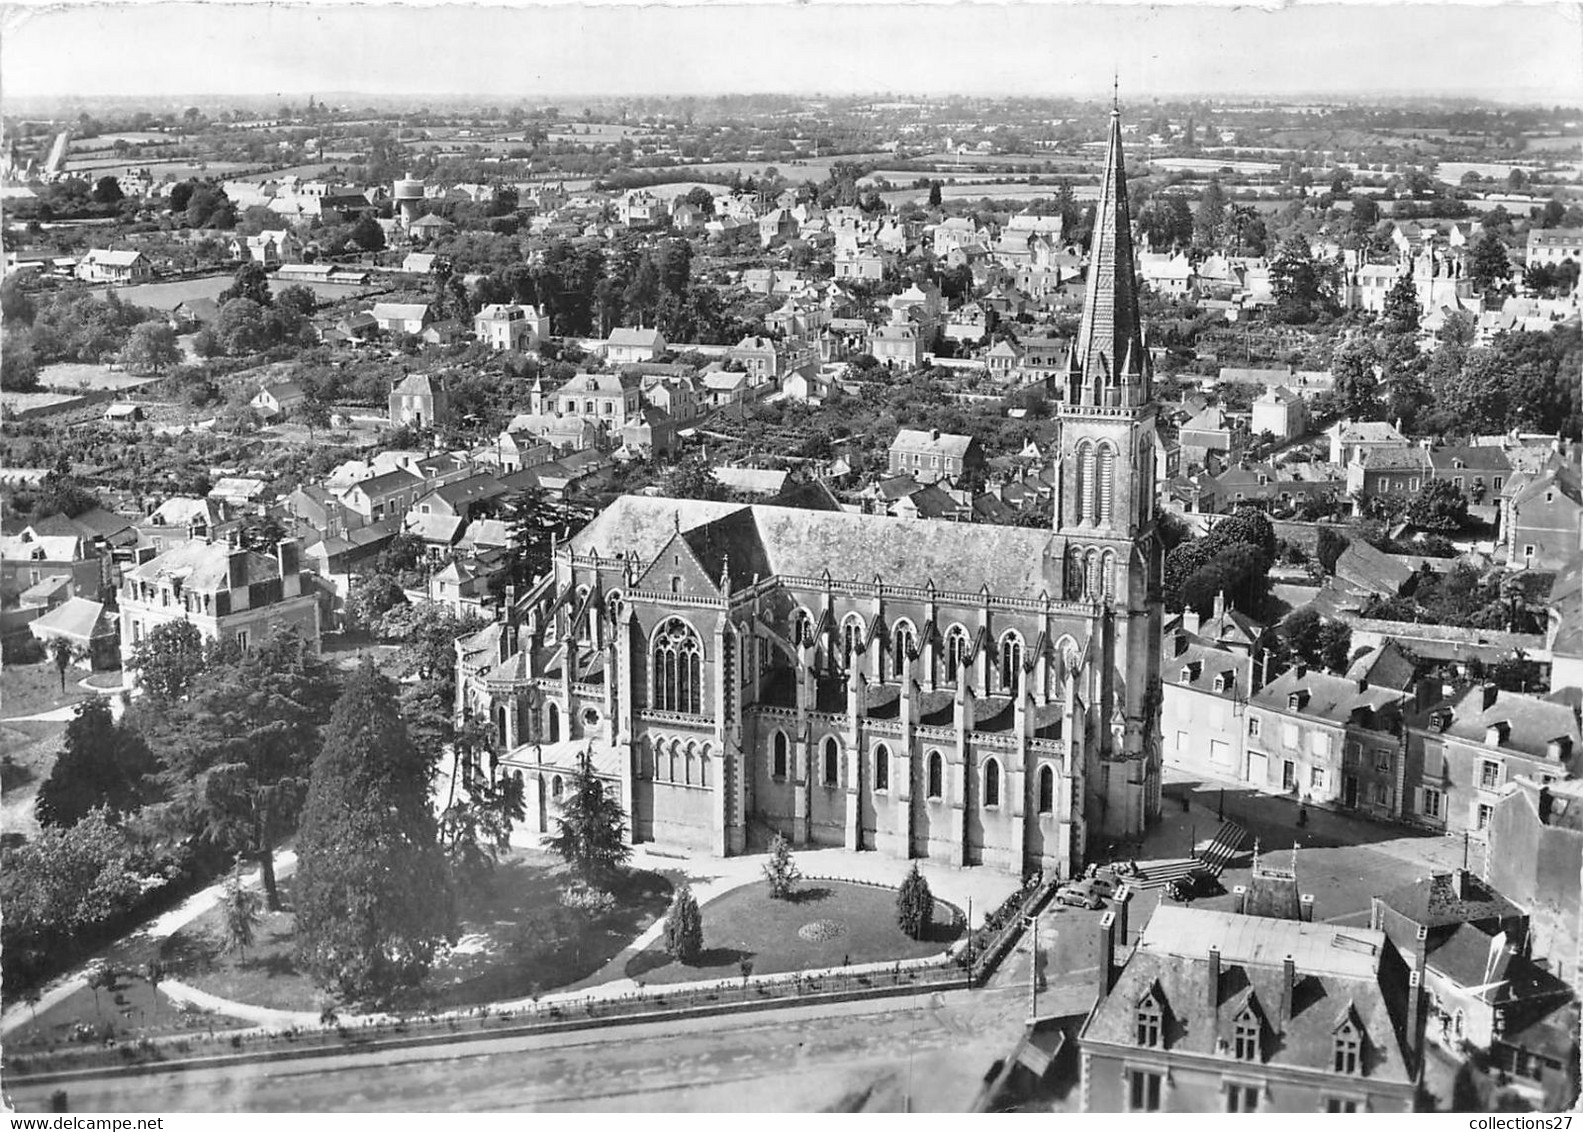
(161, 927)
(709, 877)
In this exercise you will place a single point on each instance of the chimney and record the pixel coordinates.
(1288, 983)
(236, 568)
(1414, 1030)
(1107, 952)
(1119, 908)
(1190, 620)
(286, 558)
(1239, 895)
(1490, 694)
(1180, 643)
(1301, 670)
(1546, 801)
(1214, 988)
(1305, 907)
(1459, 883)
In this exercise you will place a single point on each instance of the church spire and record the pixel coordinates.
(1109, 353)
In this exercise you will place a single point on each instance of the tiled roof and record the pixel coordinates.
(1532, 722)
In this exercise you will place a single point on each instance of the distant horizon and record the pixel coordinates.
(1347, 53)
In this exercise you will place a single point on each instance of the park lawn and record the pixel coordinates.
(130, 1010)
(498, 956)
(747, 924)
(32, 689)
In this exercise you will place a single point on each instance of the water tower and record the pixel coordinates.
(408, 195)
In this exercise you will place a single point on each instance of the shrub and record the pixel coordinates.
(914, 904)
(684, 927)
(781, 870)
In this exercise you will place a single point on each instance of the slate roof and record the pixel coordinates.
(1435, 901)
(75, 617)
(627, 336)
(386, 312)
(204, 567)
(1330, 698)
(1341, 973)
(417, 385)
(957, 557)
(927, 441)
(1533, 721)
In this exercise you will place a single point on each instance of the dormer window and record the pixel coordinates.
(1297, 700)
(1149, 1019)
(1349, 1049)
(1438, 720)
(1187, 674)
(1245, 1037)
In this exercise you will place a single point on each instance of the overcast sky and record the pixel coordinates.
(1511, 51)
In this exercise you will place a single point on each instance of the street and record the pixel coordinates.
(873, 1054)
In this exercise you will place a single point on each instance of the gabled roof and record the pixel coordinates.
(627, 336)
(418, 385)
(1436, 901)
(76, 617)
(403, 312)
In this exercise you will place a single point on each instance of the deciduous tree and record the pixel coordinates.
(102, 764)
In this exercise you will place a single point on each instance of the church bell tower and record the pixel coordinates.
(1104, 519)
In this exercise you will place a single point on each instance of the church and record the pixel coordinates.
(977, 695)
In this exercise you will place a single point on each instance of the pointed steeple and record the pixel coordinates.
(1109, 354)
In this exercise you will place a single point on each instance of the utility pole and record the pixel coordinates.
(1033, 972)
(969, 943)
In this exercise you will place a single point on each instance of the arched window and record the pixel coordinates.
(678, 668)
(904, 640)
(703, 766)
(500, 725)
(851, 638)
(1074, 574)
(881, 767)
(992, 782)
(778, 756)
(1107, 575)
(1010, 663)
(1095, 590)
(552, 719)
(802, 628)
(1104, 483)
(955, 652)
(1083, 473)
(832, 762)
(1046, 790)
(555, 788)
(689, 770)
(936, 784)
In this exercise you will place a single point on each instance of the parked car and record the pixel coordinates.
(1080, 894)
(1198, 883)
(1108, 879)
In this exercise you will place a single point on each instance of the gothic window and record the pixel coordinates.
(689, 773)
(703, 767)
(992, 783)
(1094, 589)
(778, 757)
(802, 628)
(955, 652)
(1074, 574)
(832, 762)
(936, 786)
(903, 641)
(1046, 790)
(1104, 483)
(1107, 575)
(678, 668)
(1083, 472)
(555, 788)
(552, 720)
(501, 725)
(851, 638)
(881, 767)
(1011, 663)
